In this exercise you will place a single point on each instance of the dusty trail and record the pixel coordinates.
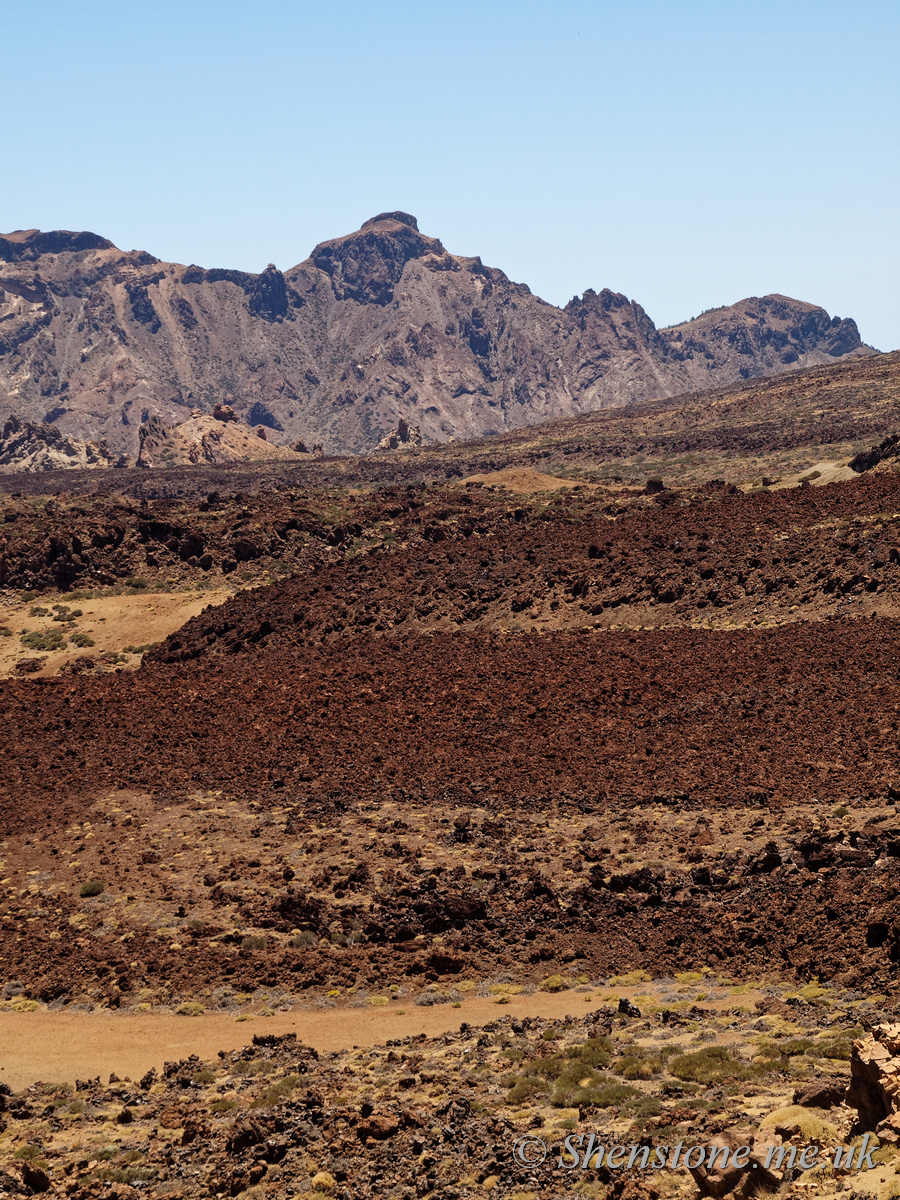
(60, 1047)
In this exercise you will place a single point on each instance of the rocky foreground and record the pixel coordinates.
(442, 1117)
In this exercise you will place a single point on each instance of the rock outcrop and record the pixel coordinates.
(219, 438)
(875, 1082)
(30, 448)
(375, 327)
(403, 436)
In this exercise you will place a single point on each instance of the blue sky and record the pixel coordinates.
(687, 154)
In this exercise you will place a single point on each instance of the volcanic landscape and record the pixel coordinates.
(546, 783)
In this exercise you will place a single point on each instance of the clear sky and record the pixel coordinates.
(686, 153)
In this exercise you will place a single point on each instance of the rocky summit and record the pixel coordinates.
(378, 329)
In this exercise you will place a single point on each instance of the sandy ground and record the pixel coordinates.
(60, 1046)
(113, 622)
(817, 475)
(523, 481)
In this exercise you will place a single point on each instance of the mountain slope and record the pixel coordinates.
(377, 326)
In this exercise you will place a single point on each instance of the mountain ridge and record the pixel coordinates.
(374, 327)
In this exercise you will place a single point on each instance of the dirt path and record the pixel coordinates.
(60, 1046)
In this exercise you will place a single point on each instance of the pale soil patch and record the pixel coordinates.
(524, 481)
(60, 1046)
(113, 622)
(817, 475)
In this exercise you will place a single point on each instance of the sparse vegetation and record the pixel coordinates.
(48, 642)
(92, 887)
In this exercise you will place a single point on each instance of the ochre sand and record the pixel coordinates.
(60, 1047)
(112, 622)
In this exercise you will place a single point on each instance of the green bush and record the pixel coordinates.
(713, 1065)
(572, 1075)
(841, 1048)
(305, 937)
(634, 1066)
(524, 1088)
(27, 1153)
(53, 639)
(253, 1066)
(128, 1175)
(93, 887)
(253, 941)
(61, 613)
(4, 632)
(82, 640)
(276, 1092)
(138, 582)
(223, 1106)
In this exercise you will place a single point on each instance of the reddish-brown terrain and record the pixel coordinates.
(378, 326)
(540, 714)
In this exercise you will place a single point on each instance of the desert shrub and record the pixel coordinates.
(129, 1175)
(62, 613)
(638, 1066)
(631, 979)
(190, 1009)
(49, 641)
(841, 1048)
(553, 983)
(105, 1153)
(524, 1088)
(305, 937)
(253, 1066)
(204, 1077)
(645, 1106)
(787, 1049)
(140, 649)
(223, 1105)
(82, 639)
(37, 611)
(253, 941)
(5, 631)
(138, 582)
(27, 1153)
(713, 1065)
(92, 887)
(574, 1076)
(276, 1092)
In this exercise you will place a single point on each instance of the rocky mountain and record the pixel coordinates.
(381, 326)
